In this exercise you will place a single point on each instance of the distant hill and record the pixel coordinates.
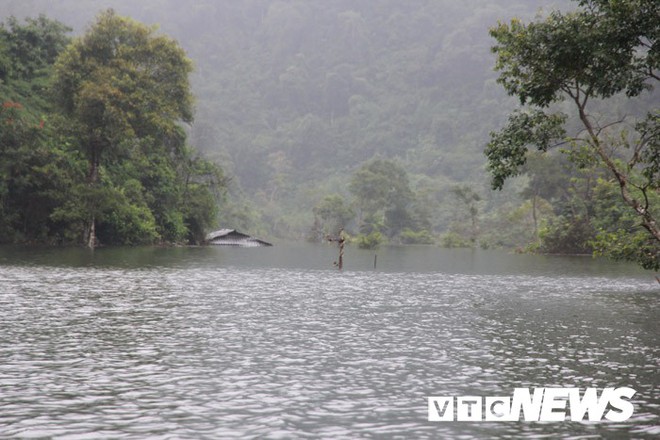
(294, 95)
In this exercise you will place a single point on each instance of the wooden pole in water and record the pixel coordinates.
(341, 239)
(375, 259)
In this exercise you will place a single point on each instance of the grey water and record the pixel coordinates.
(211, 342)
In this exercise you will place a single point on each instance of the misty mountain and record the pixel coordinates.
(293, 96)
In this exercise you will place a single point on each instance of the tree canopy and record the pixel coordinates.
(599, 52)
(292, 96)
(296, 99)
(106, 159)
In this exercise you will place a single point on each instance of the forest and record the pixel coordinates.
(301, 118)
(92, 151)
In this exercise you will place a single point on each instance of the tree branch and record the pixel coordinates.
(648, 221)
(600, 129)
(643, 189)
(653, 75)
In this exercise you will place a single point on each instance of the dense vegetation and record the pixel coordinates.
(373, 116)
(294, 97)
(91, 145)
(602, 50)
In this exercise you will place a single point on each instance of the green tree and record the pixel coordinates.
(382, 186)
(408, 236)
(334, 213)
(616, 233)
(27, 54)
(204, 184)
(597, 52)
(270, 84)
(372, 240)
(468, 207)
(547, 177)
(122, 88)
(35, 170)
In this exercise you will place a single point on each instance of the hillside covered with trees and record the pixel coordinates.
(92, 150)
(372, 116)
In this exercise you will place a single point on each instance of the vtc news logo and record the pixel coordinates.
(544, 405)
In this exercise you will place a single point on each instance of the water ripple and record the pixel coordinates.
(277, 353)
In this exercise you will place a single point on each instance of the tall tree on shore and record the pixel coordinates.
(602, 51)
(122, 87)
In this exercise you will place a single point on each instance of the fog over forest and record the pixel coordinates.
(292, 97)
(329, 219)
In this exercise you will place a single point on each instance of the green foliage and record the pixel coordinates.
(604, 49)
(630, 25)
(33, 47)
(239, 213)
(454, 240)
(507, 149)
(291, 112)
(124, 90)
(120, 82)
(381, 186)
(369, 241)
(27, 53)
(126, 219)
(466, 209)
(618, 232)
(566, 236)
(649, 130)
(292, 119)
(542, 60)
(334, 213)
(114, 156)
(626, 246)
(380, 183)
(517, 225)
(204, 187)
(36, 171)
(372, 223)
(408, 236)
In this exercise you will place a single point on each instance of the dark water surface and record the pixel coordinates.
(273, 343)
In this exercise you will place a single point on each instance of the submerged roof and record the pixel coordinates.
(224, 233)
(231, 237)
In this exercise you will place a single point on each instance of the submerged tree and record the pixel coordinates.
(123, 90)
(602, 51)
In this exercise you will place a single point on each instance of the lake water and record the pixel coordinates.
(213, 342)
